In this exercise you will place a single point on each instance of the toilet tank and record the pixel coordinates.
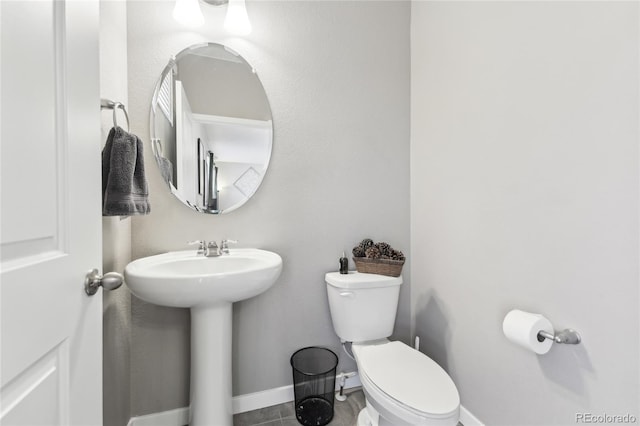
(363, 306)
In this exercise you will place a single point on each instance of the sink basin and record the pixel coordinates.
(207, 286)
(184, 279)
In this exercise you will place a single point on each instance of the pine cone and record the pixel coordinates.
(385, 249)
(366, 243)
(358, 252)
(397, 255)
(373, 252)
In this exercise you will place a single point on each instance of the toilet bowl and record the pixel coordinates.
(402, 386)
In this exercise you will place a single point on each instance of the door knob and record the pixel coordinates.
(108, 281)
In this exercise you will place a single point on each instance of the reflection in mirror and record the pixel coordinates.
(211, 128)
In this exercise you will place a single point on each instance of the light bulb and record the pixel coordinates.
(188, 13)
(237, 20)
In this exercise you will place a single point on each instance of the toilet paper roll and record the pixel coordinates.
(522, 328)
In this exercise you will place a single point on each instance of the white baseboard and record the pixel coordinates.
(241, 404)
(269, 397)
(255, 401)
(468, 419)
(266, 398)
(177, 417)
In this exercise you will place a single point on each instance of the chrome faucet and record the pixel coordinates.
(212, 250)
(209, 249)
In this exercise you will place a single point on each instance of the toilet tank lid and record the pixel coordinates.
(354, 280)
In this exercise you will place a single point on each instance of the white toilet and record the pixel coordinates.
(402, 386)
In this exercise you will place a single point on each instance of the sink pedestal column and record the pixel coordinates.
(211, 392)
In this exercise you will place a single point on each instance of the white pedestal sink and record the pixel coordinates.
(208, 286)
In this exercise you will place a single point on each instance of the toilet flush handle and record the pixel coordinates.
(347, 294)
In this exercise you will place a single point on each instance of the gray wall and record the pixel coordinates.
(337, 78)
(524, 159)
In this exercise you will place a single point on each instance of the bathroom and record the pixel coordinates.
(495, 143)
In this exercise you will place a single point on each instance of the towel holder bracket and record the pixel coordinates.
(109, 104)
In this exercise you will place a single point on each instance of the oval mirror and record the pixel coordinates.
(211, 128)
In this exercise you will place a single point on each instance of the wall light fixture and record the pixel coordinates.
(188, 13)
(237, 21)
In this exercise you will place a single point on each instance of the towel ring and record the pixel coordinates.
(106, 103)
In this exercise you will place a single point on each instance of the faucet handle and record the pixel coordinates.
(224, 245)
(201, 247)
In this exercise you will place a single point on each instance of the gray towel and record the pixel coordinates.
(166, 169)
(124, 185)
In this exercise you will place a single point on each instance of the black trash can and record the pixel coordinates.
(314, 381)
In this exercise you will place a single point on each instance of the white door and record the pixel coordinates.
(50, 223)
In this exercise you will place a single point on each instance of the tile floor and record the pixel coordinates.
(344, 413)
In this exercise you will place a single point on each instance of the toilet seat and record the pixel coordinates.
(407, 380)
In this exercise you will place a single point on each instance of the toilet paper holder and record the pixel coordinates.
(568, 336)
